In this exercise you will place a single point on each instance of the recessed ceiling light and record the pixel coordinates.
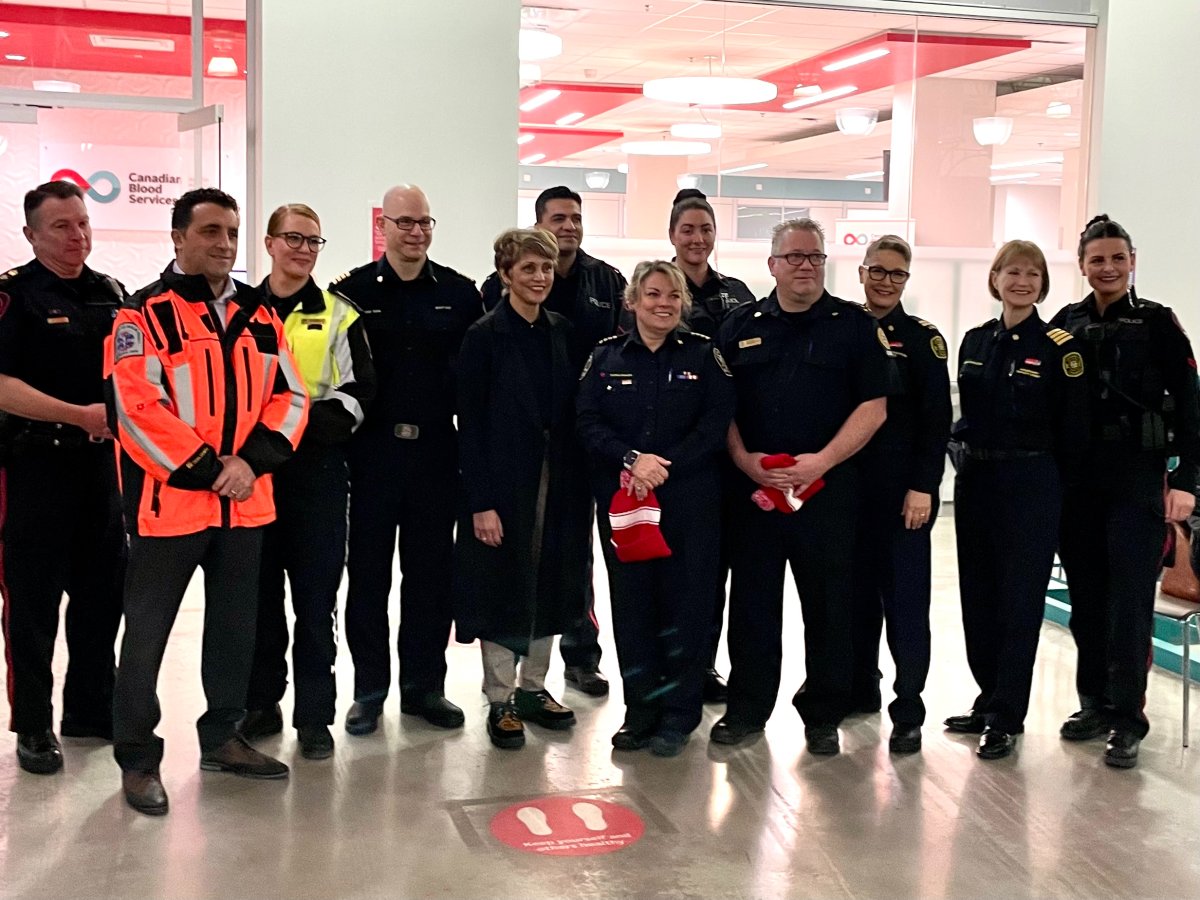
(538, 100)
(15, 57)
(822, 97)
(122, 42)
(524, 138)
(569, 119)
(865, 176)
(745, 168)
(63, 87)
(533, 158)
(855, 60)
(3, 35)
(222, 66)
(1040, 161)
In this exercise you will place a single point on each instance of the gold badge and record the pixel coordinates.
(883, 339)
(721, 362)
(587, 367)
(938, 346)
(1072, 365)
(749, 342)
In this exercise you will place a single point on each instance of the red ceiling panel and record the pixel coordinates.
(572, 97)
(555, 143)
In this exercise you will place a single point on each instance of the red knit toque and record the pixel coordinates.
(769, 498)
(635, 533)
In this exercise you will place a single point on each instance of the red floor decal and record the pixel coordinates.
(567, 826)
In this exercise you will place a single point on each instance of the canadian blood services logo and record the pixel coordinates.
(88, 185)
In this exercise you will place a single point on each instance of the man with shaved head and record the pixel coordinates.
(404, 466)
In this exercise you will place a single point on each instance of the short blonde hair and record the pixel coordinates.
(1015, 250)
(514, 243)
(649, 267)
(290, 209)
(892, 242)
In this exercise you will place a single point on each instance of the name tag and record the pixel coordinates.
(58, 320)
(749, 342)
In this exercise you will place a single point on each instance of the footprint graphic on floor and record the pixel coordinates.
(590, 815)
(535, 820)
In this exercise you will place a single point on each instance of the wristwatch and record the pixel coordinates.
(630, 458)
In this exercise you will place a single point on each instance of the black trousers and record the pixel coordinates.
(159, 571)
(892, 577)
(1006, 518)
(307, 540)
(408, 488)
(1111, 547)
(579, 645)
(730, 500)
(818, 543)
(60, 530)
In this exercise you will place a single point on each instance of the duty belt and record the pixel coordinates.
(999, 455)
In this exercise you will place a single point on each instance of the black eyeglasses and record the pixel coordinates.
(295, 240)
(816, 260)
(404, 223)
(895, 276)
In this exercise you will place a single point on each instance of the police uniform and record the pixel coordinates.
(1139, 365)
(60, 515)
(799, 377)
(308, 537)
(591, 296)
(892, 577)
(404, 474)
(677, 403)
(1024, 424)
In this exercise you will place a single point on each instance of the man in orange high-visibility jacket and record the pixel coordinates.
(206, 401)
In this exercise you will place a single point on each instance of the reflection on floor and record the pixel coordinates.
(414, 812)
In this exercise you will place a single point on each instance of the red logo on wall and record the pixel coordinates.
(568, 826)
(378, 242)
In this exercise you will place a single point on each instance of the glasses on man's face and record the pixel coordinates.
(296, 240)
(404, 223)
(895, 276)
(816, 260)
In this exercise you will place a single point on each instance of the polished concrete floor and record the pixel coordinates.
(407, 812)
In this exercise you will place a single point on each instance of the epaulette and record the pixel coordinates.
(611, 337)
(12, 275)
(928, 325)
(341, 277)
(1059, 336)
(695, 334)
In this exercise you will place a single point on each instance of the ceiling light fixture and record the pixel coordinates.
(806, 90)
(1057, 109)
(63, 87)
(140, 44)
(539, 100)
(991, 130)
(745, 168)
(3, 35)
(857, 120)
(222, 67)
(15, 57)
(532, 158)
(685, 182)
(535, 44)
(696, 130)
(524, 138)
(710, 90)
(865, 176)
(666, 148)
(623, 168)
(597, 181)
(1042, 161)
(569, 119)
(855, 60)
(821, 97)
(1014, 177)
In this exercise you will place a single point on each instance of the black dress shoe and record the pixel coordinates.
(715, 688)
(628, 738)
(144, 791)
(540, 708)
(1121, 751)
(995, 744)
(39, 752)
(1084, 725)
(315, 741)
(504, 727)
(435, 709)
(668, 742)
(905, 739)
(239, 758)
(363, 718)
(73, 727)
(261, 723)
(822, 740)
(968, 723)
(731, 731)
(590, 681)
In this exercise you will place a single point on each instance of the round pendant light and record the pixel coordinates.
(597, 181)
(710, 90)
(856, 120)
(990, 130)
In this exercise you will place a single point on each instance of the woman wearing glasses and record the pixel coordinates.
(903, 467)
(1024, 426)
(308, 537)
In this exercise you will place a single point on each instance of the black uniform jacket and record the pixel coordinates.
(415, 329)
(715, 299)
(505, 451)
(1023, 389)
(1136, 354)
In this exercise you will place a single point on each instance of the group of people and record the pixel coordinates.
(708, 434)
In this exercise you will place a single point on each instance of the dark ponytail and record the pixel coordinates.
(1099, 227)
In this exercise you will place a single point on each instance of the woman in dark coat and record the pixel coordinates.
(522, 548)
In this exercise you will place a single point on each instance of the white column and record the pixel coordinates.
(359, 96)
(649, 190)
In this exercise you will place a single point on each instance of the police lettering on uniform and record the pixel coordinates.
(404, 466)
(589, 292)
(1141, 377)
(812, 373)
(902, 474)
(60, 516)
(207, 403)
(692, 230)
(307, 540)
(657, 403)
(1023, 427)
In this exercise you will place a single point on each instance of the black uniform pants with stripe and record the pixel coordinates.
(61, 532)
(307, 540)
(1112, 545)
(818, 543)
(409, 489)
(1006, 518)
(159, 571)
(579, 645)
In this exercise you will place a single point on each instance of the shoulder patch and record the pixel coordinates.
(5, 300)
(1072, 364)
(1059, 337)
(721, 362)
(127, 341)
(587, 366)
(938, 346)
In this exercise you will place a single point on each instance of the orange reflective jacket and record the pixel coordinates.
(187, 389)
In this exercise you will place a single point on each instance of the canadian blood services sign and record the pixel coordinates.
(126, 188)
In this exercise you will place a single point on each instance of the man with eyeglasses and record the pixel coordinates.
(589, 292)
(812, 373)
(404, 466)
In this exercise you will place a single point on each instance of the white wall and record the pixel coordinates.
(362, 95)
(1146, 142)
